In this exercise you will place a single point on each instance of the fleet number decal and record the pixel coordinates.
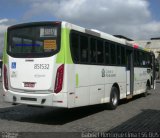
(41, 66)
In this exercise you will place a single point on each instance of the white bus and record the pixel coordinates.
(63, 65)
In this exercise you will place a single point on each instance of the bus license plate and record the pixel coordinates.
(29, 84)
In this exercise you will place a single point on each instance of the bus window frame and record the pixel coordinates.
(34, 24)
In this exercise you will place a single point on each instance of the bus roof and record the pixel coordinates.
(93, 32)
(102, 35)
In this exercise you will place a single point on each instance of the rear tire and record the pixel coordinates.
(113, 99)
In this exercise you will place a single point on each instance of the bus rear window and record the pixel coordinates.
(33, 41)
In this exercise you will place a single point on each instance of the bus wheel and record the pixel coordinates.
(146, 91)
(113, 99)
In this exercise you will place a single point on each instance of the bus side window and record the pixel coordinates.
(135, 58)
(100, 52)
(93, 50)
(151, 62)
(145, 59)
(138, 58)
(84, 49)
(113, 53)
(141, 58)
(128, 59)
(75, 47)
(118, 55)
(148, 61)
(123, 57)
(107, 53)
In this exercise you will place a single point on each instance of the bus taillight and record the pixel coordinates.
(5, 77)
(59, 79)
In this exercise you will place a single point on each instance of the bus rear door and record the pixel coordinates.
(130, 72)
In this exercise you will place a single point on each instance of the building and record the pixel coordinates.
(154, 45)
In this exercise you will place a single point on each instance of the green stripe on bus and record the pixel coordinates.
(64, 56)
(77, 80)
(5, 57)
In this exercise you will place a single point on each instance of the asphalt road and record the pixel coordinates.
(139, 114)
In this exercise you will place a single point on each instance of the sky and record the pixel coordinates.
(136, 19)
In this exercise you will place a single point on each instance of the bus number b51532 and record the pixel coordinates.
(41, 66)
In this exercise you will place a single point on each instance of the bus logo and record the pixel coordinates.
(13, 66)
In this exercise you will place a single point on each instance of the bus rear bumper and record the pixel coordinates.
(50, 99)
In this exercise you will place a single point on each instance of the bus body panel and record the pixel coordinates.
(50, 99)
(141, 76)
(96, 86)
(90, 90)
(82, 89)
(40, 71)
(69, 84)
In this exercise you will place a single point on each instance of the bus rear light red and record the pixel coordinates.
(59, 79)
(135, 46)
(5, 77)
